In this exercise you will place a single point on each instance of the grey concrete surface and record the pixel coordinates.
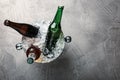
(93, 54)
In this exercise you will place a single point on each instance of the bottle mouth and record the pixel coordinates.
(62, 7)
(30, 60)
(6, 22)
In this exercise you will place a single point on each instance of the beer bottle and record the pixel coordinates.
(24, 29)
(54, 30)
(32, 53)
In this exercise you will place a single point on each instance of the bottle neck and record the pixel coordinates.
(23, 28)
(32, 55)
(58, 16)
(16, 26)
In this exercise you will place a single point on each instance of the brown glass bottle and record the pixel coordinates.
(32, 53)
(24, 29)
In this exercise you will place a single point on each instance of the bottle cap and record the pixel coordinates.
(30, 60)
(62, 7)
(6, 22)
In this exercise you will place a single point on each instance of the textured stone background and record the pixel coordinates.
(94, 53)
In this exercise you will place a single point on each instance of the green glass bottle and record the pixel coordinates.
(54, 30)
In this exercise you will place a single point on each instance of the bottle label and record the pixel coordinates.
(53, 25)
(54, 28)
